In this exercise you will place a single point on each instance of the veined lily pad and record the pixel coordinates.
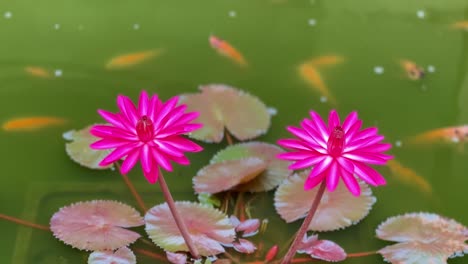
(276, 170)
(121, 256)
(96, 225)
(227, 174)
(222, 106)
(79, 151)
(338, 209)
(208, 227)
(423, 237)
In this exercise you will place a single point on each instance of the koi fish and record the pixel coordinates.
(413, 71)
(457, 134)
(31, 123)
(409, 177)
(132, 59)
(38, 72)
(326, 60)
(225, 49)
(311, 75)
(461, 25)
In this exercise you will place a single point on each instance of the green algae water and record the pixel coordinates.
(75, 39)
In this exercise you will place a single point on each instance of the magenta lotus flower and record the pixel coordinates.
(336, 151)
(150, 133)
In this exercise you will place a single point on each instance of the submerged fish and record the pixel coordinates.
(311, 75)
(31, 123)
(409, 177)
(461, 25)
(131, 59)
(37, 71)
(413, 71)
(326, 60)
(457, 134)
(225, 49)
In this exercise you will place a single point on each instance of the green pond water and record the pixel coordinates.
(78, 37)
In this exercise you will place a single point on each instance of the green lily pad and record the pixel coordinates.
(80, 152)
(276, 170)
(120, 256)
(222, 106)
(209, 228)
(423, 238)
(338, 209)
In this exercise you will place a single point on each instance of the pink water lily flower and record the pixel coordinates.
(337, 150)
(151, 133)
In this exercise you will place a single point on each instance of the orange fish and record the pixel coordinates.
(409, 177)
(326, 60)
(132, 59)
(38, 72)
(31, 123)
(442, 135)
(311, 75)
(413, 71)
(461, 25)
(225, 49)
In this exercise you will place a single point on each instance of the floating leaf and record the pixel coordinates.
(208, 227)
(322, 249)
(96, 225)
(276, 170)
(121, 256)
(79, 149)
(244, 246)
(338, 209)
(225, 175)
(222, 106)
(423, 237)
(176, 258)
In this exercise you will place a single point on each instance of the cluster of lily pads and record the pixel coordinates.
(247, 166)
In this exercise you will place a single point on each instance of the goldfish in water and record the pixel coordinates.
(409, 177)
(326, 60)
(225, 49)
(38, 72)
(413, 71)
(461, 25)
(312, 76)
(457, 134)
(31, 123)
(131, 59)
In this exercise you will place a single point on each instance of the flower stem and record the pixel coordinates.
(361, 254)
(150, 254)
(132, 189)
(303, 229)
(23, 222)
(178, 219)
(228, 137)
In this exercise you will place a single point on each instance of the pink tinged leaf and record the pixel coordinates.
(128, 109)
(244, 246)
(423, 237)
(130, 161)
(176, 258)
(119, 153)
(122, 256)
(338, 209)
(350, 120)
(306, 163)
(208, 227)
(325, 250)
(333, 120)
(318, 123)
(143, 104)
(333, 177)
(79, 149)
(271, 254)
(226, 175)
(96, 225)
(249, 227)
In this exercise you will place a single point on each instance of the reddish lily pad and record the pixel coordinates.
(222, 106)
(79, 151)
(208, 227)
(276, 169)
(121, 256)
(338, 209)
(227, 174)
(423, 238)
(96, 225)
(322, 249)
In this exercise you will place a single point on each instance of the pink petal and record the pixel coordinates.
(249, 227)
(293, 144)
(314, 134)
(104, 131)
(333, 120)
(301, 134)
(365, 158)
(346, 164)
(333, 177)
(311, 182)
(234, 220)
(161, 160)
(350, 121)
(362, 143)
(166, 108)
(181, 160)
(293, 155)
(153, 175)
(187, 118)
(244, 246)
(305, 163)
(174, 115)
(153, 107)
(167, 148)
(176, 258)
(350, 182)
(112, 118)
(381, 147)
(368, 174)
(365, 133)
(178, 130)
(143, 103)
(130, 161)
(352, 131)
(118, 153)
(321, 167)
(182, 144)
(319, 125)
(128, 109)
(108, 144)
(146, 158)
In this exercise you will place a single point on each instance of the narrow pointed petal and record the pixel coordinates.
(350, 121)
(333, 177)
(319, 125)
(333, 120)
(183, 144)
(293, 144)
(146, 158)
(166, 108)
(153, 175)
(118, 153)
(312, 182)
(175, 115)
(321, 166)
(130, 161)
(161, 160)
(304, 136)
(294, 155)
(305, 163)
(153, 107)
(186, 118)
(362, 172)
(108, 144)
(362, 143)
(313, 133)
(381, 147)
(104, 131)
(143, 104)
(112, 118)
(168, 149)
(346, 164)
(366, 158)
(350, 182)
(349, 135)
(364, 169)
(128, 109)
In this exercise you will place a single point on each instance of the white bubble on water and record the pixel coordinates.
(136, 26)
(272, 111)
(379, 70)
(312, 22)
(323, 99)
(431, 68)
(232, 13)
(398, 143)
(8, 15)
(56, 26)
(58, 73)
(421, 14)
